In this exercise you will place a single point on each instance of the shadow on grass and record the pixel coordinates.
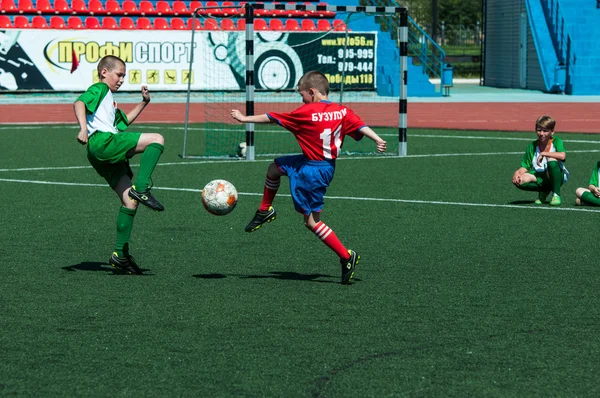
(95, 266)
(522, 202)
(282, 275)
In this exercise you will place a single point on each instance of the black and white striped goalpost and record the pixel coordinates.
(402, 12)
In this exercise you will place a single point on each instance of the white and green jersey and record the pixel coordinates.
(533, 151)
(595, 177)
(102, 113)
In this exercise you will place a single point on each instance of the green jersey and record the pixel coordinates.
(532, 153)
(102, 113)
(594, 178)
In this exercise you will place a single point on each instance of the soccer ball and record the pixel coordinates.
(219, 197)
(241, 150)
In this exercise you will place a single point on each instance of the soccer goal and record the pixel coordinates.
(251, 58)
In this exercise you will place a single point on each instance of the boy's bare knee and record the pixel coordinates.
(159, 139)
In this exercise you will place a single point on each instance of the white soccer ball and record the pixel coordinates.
(241, 150)
(219, 197)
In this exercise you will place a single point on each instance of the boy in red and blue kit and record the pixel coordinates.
(320, 127)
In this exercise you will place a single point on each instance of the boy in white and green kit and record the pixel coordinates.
(102, 127)
(542, 167)
(590, 196)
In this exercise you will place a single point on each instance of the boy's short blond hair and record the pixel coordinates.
(314, 79)
(109, 63)
(545, 122)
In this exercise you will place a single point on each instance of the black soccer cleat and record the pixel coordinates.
(137, 270)
(122, 264)
(348, 267)
(145, 198)
(260, 218)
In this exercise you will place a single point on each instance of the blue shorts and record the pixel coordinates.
(309, 180)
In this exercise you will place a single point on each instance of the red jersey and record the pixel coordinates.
(320, 128)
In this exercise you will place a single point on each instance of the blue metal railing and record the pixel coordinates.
(561, 39)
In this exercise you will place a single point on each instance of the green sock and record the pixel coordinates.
(124, 226)
(589, 198)
(529, 186)
(556, 176)
(148, 162)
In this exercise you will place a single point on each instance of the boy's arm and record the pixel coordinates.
(369, 133)
(135, 112)
(237, 115)
(79, 108)
(555, 155)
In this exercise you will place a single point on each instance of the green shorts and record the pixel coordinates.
(107, 153)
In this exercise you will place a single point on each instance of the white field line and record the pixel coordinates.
(388, 200)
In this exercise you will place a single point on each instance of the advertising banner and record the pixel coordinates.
(66, 60)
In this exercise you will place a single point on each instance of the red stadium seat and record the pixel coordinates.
(113, 8)
(143, 23)
(147, 8)
(96, 8)
(56, 22)
(21, 22)
(308, 25)
(74, 23)
(39, 22)
(323, 24)
(227, 24)
(241, 8)
(130, 8)
(179, 8)
(211, 24)
(228, 9)
(195, 5)
(25, 6)
(161, 23)
(109, 23)
(197, 25)
(178, 24)
(126, 23)
(163, 8)
(276, 24)
(61, 6)
(213, 8)
(339, 25)
(5, 22)
(92, 23)
(78, 6)
(260, 24)
(292, 24)
(241, 24)
(43, 7)
(8, 7)
(325, 14)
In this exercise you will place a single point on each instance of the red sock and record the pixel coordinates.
(271, 187)
(328, 237)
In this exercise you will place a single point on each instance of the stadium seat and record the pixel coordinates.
(195, 5)
(228, 9)
(78, 6)
(163, 8)
(61, 6)
(130, 8)
(21, 22)
(241, 24)
(323, 24)
(96, 8)
(177, 24)
(74, 23)
(109, 23)
(126, 23)
(8, 7)
(211, 24)
(227, 24)
(143, 23)
(260, 24)
(43, 7)
(308, 25)
(292, 24)
(112, 7)
(276, 24)
(161, 23)
(197, 25)
(339, 25)
(241, 8)
(179, 8)
(39, 22)
(25, 6)
(325, 14)
(56, 22)
(5, 22)
(92, 23)
(146, 8)
(213, 8)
